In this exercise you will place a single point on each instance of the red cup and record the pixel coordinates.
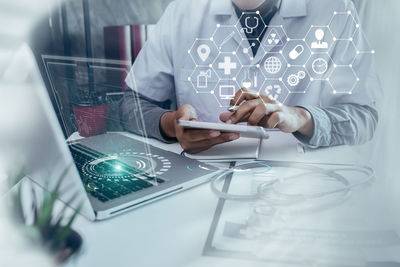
(91, 120)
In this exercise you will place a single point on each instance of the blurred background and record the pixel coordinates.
(89, 28)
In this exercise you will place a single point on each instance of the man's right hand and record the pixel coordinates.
(192, 141)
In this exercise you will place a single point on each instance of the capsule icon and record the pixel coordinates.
(296, 52)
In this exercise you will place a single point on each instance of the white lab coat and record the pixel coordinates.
(164, 68)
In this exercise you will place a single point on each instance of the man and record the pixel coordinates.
(314, 112)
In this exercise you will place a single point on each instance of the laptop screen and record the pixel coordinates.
(89, 94)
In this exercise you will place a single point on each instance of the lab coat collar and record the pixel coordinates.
(221, 7)
(293, 8)
(289, 8)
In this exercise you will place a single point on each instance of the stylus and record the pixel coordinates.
(233, 108)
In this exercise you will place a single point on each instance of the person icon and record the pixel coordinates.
(319, 44)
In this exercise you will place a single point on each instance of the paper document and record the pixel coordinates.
(316, 232)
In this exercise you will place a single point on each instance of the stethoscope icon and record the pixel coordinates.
(250, 28)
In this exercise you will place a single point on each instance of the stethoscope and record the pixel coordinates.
(271, 194)
(249, 29)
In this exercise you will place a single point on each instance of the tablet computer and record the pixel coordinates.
(243, 130)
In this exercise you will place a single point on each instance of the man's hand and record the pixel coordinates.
(263, 111)
(192, 141)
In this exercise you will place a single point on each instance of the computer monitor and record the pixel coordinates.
(226, 91)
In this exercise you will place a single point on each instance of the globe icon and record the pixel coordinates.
(273, 65)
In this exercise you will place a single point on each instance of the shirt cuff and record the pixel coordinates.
(156, 131)
(322, 128)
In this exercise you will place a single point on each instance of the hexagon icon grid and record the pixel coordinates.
(203, 52)
(275, 89)
(246, 49)
(319, 39)
(297, 79)
(249, 22)
(275, 38)
(296, 52)
(225, 91)
(224, 36)
(227, 65)
(319, 66)
(343, 25)
(250, 77)
(344, 45)
(343, 80)
(203, 79)
(273, 65)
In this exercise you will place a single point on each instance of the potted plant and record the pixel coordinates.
(41, 223)
(90, 107)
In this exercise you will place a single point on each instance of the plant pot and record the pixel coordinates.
(71, 247)
(91, 120)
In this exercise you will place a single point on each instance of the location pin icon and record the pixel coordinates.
(204, 52)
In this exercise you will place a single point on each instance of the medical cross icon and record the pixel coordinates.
(227, 65)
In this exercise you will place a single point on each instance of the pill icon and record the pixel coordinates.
(296, 52)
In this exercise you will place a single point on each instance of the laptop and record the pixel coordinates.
(110, 173)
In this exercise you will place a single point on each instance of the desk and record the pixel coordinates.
(173, 231)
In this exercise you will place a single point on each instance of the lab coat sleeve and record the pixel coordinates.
(152, 72)
(151, 77)
(348, 118)
(148, 119)
(346, 124)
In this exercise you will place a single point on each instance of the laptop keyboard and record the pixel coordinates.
(103, 181)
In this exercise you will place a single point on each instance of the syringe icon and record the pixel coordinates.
(227, 39)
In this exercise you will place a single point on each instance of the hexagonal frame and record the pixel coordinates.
(280, 73)
(218, 88)
(357, 80)
(310, 66)
(234, 30)
(192, 82)
(240, 27)
(283, 38)
(348, 14)
(336, 42)
(286, 78)
(240, 49)
(198, 61)
(215, 65)
(260, 80)
(283, 87)
(287, 53)
(318, 50)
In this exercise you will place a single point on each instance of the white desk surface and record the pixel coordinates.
(173, 231)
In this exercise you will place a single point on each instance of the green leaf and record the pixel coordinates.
(18, 210)
(34, 206)
(46, 210)
(65, 230)
(49, 200)
(60, 218)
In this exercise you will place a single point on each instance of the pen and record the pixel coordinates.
(233, 108)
